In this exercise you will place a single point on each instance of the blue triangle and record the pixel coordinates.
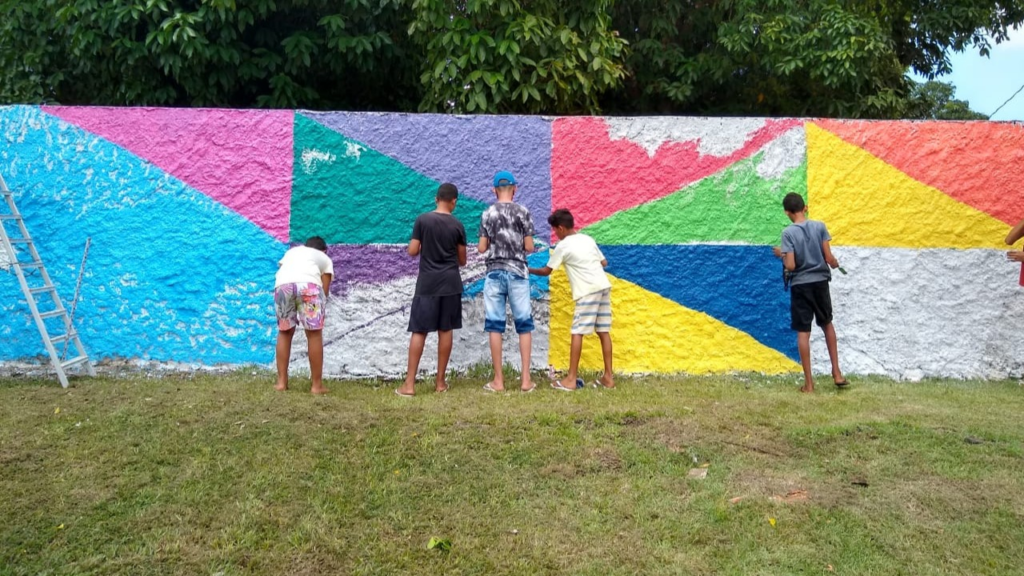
(738, 285)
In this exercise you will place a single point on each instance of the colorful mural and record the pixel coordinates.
(189, 210)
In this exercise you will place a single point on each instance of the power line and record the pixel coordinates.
(1007, 101)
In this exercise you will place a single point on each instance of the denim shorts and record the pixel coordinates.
(501, 286)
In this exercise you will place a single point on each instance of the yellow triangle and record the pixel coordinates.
(652, 334)
(866, 202)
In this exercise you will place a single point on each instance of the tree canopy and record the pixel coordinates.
(846, 58)
(933, 100)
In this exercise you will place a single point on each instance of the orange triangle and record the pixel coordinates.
(866, 202)
(977, 163)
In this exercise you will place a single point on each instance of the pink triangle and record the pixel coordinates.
(595, 176)
(240, 158)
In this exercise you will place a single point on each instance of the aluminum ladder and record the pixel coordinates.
(22, 245)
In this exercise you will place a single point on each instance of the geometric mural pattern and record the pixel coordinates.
(188, 212)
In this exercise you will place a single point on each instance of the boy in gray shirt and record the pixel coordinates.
(807, 257)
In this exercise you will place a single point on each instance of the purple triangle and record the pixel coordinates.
(464, 150)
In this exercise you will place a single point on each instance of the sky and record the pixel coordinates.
(987, 82)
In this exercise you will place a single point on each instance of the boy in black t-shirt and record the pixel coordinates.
(439, 239)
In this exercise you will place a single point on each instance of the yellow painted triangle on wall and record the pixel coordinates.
(866, 202)
(651, 333)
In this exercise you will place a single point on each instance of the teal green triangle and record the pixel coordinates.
(348, 193)
(735, 205)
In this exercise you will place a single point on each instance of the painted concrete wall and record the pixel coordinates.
(189, 211)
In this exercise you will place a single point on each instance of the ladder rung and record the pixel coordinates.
(20, 240)
(74, 361)
(52, 313)
(10, 217)
(41, 289)
(29, 264)
(62, 338)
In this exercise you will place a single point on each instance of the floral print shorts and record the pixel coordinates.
(300, 305)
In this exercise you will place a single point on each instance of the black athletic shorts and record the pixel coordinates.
(810, 302)
(436, 313)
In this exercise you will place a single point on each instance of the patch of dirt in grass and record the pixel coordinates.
(605, 459)
(601, 459)
(561, 470)
(673, 433)
(787, 487)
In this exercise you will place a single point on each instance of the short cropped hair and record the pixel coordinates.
(793, 202)
(318, 243)
(447, 192)
(561, 217)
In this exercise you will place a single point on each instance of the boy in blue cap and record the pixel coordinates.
(506, 237)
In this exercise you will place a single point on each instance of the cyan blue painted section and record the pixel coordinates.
(738, 285)
(154, 288)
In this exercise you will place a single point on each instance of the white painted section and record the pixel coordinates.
(312, 158)
(714, 136)
(366, 335)
(913, 314)
(783, 153)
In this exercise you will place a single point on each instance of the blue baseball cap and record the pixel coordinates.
(504, 178)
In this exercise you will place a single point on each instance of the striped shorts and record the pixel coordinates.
(593, 313)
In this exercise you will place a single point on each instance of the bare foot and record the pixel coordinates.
(567, 383)
(281, 386)
(527, 383)
(606, 381)
(807, 389)
(494, 386)
(319, 390)
(441, 386)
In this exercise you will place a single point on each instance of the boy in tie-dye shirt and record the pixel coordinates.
(506, 237)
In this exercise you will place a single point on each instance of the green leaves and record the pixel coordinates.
(499, 57)
(238, 53)
(741, 57)
(794, 57)
(443, 545)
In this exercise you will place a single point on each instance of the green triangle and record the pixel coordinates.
(735, 205)
(348, 193)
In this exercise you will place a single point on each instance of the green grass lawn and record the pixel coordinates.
(219, 474)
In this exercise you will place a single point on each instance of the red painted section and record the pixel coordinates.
(977, 163)
(595, 177)
(240, 158)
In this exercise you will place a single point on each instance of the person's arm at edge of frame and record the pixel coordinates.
(325, 279)
(1016, 233)
(463, 258)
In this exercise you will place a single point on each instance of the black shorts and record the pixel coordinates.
(436, 313)
(809, 302)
